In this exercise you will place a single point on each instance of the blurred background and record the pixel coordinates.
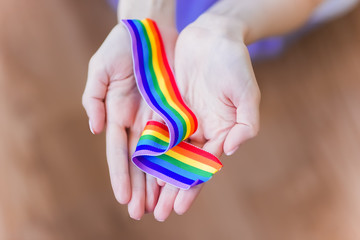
(299, 179)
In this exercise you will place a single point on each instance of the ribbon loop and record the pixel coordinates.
(161, 150)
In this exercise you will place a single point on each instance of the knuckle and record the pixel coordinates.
(84, 100)
(255, 95)
(258, 95)
(254, 130)
(93, 61)
(96, 66)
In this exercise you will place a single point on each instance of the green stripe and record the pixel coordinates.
(156, 84)
(184, 166)
(154, 139)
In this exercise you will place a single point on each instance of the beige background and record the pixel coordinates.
(299, 179)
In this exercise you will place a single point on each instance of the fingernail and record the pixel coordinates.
(231, 152)
(91, 129)
(135, 218)
(158, 219)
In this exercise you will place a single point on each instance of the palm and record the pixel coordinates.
(123, 101)
(216, 80)
(215, 117)
(122, 98)
(111, 96)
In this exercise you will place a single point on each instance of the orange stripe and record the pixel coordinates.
(157, 129)
(196, 157)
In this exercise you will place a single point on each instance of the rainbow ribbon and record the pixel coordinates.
(161, 150)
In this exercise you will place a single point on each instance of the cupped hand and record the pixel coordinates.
(111, 99)
(216, 78)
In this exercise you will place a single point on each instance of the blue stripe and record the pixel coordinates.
(151, 143)
(143, 79)
(150, 148)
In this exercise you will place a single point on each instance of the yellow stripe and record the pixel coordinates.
(156, 134)
(191, 161)
(161, 78)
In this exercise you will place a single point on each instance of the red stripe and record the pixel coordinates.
(160, 125)
(199, 151)
(195, 156)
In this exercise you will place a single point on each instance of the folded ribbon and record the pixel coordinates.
(161, 150)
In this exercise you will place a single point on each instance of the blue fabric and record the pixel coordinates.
(188, 11)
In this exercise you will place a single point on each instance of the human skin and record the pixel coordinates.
(214, 74)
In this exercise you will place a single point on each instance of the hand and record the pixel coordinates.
(215, 76)
(111, 97)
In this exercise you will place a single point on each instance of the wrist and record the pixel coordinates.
(224, 26)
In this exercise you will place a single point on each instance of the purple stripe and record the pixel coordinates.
(159, 175)
(165, 171)
(136, 60)
(129, 25)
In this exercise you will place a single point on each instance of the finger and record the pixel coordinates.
(165, 203)
(160, 182)
(136, 205)
(246, 126)
(94, 95)
(185, 198)
(152, 193)
(117, 157)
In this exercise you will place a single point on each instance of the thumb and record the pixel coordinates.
(245, 127)
(185, 198)
(94, 96)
